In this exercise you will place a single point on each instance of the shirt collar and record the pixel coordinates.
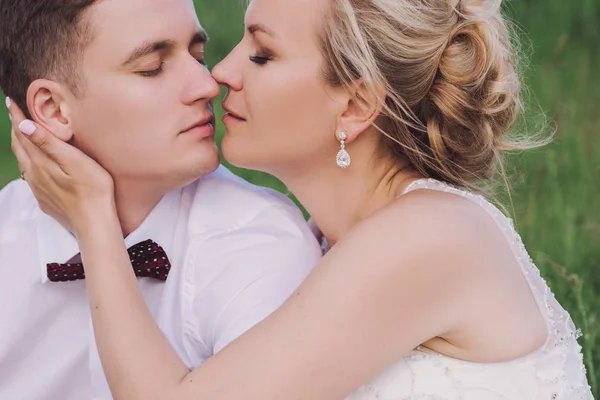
(57, 245)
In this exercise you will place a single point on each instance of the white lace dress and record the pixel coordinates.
(556, 371)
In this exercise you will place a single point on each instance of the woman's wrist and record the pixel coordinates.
(96, 217)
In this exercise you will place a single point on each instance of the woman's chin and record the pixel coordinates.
(237, 154)
(240, 161)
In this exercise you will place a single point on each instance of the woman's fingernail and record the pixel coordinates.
(8, 102)
(9, 117)
(27, 127)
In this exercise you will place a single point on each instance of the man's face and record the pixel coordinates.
(144, 85)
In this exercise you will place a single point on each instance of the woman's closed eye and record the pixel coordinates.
(261, 58)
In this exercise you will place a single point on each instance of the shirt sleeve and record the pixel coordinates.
(243, 275)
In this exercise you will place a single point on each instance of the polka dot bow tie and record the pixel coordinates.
(147, 258)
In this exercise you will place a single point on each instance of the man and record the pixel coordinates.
(124, 81)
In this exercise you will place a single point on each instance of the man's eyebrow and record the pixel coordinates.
(252, 29)
(149, 48)
(200, 37)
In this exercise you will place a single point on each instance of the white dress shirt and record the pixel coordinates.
(237, 253)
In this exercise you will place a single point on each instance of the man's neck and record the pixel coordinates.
(134, 203)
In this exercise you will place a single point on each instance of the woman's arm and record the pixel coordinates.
(370, 301)
(358, 312)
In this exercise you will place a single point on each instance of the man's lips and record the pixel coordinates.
(208, 120)
(202, 128)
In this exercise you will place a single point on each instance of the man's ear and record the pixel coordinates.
(48, 106)
(363, 107)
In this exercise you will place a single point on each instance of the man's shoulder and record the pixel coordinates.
(16, 198)
(17, 207)
(225, 200)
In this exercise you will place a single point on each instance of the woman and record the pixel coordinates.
(382, 117)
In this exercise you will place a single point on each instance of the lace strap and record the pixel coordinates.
(505, 223)
(502, 221)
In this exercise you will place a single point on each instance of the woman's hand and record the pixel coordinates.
(69, 185)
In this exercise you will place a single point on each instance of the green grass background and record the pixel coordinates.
(555, 189)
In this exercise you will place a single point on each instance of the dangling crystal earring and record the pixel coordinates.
(342, 158)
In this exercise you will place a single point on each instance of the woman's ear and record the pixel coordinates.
(46, 101)
(363, 108)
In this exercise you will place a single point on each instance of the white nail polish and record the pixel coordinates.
(8, 102)
(27, 127)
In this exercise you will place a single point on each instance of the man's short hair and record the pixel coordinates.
(41, 39)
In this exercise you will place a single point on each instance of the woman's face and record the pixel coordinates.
(282, 114)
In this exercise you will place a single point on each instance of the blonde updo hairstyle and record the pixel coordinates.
(449, 72)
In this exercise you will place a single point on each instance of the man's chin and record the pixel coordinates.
(206, 163)
(176, 171)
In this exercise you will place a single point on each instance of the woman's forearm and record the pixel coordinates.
(138, 360)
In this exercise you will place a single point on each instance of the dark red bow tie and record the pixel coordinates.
(147, 258)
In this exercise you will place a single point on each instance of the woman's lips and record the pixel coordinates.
(230, 118)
